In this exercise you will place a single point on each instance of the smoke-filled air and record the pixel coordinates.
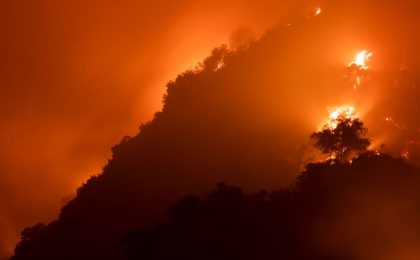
(229, 130)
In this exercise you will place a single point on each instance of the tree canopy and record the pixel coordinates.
(343, 140)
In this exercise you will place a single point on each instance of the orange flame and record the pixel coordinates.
(361, 60)
(345, 111)
(358, 67)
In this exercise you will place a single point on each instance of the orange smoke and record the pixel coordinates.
(78, 76)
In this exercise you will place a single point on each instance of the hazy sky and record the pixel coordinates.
(77, 76)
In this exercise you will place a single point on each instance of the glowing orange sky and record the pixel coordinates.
(78, 76)
(72, 69)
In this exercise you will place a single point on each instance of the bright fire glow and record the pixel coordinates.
(219, 65)
(362, 59)
(358, 67)
(342, 112)
(313, 12)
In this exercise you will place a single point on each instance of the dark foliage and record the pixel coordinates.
(343, 141)
(321, 217)
(210, 129)
(234, 125)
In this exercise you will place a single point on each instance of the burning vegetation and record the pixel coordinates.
(217, 125)
(343, 137)
(357, 69)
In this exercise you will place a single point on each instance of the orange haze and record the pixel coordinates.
(76, 76)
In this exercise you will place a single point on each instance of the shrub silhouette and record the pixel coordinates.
(343, 141)
(241, 124)
(322, 216)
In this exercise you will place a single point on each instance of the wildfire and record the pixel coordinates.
(313, 12)
(342, 112)
(357, 68)
(362, 59)
(219, 65)
(395, 124)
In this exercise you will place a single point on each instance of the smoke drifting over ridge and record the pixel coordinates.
(278, 90)
(78, 76)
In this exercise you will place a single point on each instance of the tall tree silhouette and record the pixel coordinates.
(343, 139)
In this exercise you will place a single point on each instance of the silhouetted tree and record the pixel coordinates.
(229, 120)
(321, 217)
(342, 141)
(32, 232)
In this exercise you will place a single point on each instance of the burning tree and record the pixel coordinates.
(358, 68)
(342, 138)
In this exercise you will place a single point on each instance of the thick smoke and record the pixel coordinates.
(241, 118)
(77, 76)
